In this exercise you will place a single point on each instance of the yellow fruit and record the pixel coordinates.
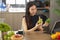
(39, 21)
(57, 33)
(53, 36)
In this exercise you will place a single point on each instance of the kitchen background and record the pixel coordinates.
(13, 11)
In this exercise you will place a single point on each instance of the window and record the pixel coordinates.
(13, 5)
(16, 5)
(2, 5)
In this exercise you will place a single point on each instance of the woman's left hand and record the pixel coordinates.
(46, 24)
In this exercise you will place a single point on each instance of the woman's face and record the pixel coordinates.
(33, 10)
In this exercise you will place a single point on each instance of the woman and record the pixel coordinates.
(29, 21)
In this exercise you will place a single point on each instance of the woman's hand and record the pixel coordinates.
(41, 29)
(45, 24)
(39, 23)
(39, 26)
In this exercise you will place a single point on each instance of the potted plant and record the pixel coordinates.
(58, 2)
(4, 27)
(56, 10)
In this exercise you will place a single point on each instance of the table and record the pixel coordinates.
(37, 36)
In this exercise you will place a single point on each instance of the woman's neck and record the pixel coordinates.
(32, 15)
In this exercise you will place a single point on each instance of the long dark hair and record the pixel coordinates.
(27, 14)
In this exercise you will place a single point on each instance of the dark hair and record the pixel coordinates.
(27, 14)
(28, 5)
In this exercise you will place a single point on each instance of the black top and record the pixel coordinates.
(43, 17)
(34, 20)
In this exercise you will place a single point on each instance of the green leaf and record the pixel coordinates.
(4, 27)
(58, 2)
(48, 20)
(10, 34)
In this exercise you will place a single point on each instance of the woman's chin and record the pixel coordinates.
(33, 14)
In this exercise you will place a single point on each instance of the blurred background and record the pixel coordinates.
(12, 11)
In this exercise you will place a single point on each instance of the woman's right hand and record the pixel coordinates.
(39, 26)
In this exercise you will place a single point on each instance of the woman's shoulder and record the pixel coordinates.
(42, 16)
(23, 18)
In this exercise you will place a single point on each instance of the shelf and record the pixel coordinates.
(42, 8)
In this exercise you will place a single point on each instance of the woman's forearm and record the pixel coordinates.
(33, 29)
(45, 24)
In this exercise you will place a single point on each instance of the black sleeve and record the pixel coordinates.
(43, 17)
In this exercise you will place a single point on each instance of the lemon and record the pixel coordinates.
(53, 36)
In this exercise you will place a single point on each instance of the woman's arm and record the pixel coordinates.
(46, 24)
(40, 25)
(24, 25)
(34, 28)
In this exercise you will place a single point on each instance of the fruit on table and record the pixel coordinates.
(39, 21)
(17, 37)
(10, 33)
(56, 35)
(53, 36)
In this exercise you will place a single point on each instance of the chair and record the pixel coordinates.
(56, 27)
